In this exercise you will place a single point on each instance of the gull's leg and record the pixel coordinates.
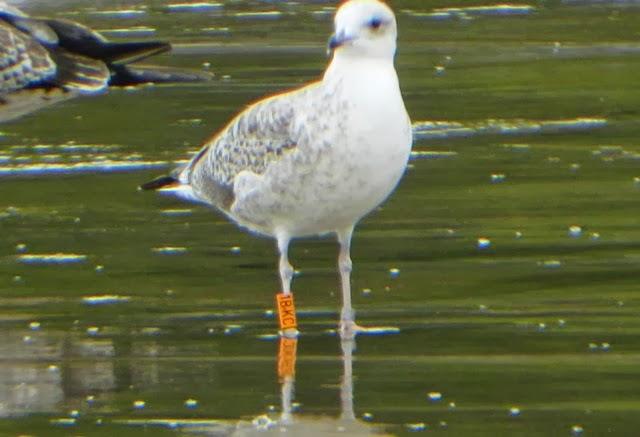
(286, 395)
(348, 326)
(346, 387)
(286, 271)
(286, 274)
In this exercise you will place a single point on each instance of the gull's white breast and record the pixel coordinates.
(354, 140)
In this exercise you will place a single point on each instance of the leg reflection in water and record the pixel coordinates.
(295, 423)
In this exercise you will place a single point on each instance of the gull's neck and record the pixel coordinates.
(345, 66)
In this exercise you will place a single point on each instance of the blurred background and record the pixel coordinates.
(508, 258)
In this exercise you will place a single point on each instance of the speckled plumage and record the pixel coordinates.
(261, 165)
(294, 160)
(23, 61)
(31, 54)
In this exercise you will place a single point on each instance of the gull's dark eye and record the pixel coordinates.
(375, 23)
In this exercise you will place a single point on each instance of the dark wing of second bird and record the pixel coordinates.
(44, 53)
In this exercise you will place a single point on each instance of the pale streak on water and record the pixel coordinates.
(505, 266)
(72, 158)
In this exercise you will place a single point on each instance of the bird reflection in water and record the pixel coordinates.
(290, 423)
(28, 387)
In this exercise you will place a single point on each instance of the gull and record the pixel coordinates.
(317, 159)
(46, 60)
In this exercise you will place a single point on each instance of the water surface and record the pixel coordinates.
(514, 234)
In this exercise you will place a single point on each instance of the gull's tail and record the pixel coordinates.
(162, 182)
(172, 185)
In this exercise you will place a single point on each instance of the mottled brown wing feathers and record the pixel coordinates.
(252, 141)
(23, 61)
(79, 73)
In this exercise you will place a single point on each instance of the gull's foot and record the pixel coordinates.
(349, 330)
(289, 333)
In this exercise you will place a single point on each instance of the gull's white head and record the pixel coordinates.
(364, 28)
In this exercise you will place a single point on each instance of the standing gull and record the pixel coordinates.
(316, 159)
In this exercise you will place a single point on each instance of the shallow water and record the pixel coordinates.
(514, 235)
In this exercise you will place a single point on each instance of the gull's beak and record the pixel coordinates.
(337, 40)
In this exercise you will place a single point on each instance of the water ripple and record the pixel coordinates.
(107, 166)
(216, 31)
(52, 258)
(470, 11)
(169, 250)
(120, 13)
(180, 212)
(129, 31)
(194, 7)
(432, 154)
(602, 2)
(51, 159)
(266, 15)
(173, 423)
(451, 129)
(105, 299)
